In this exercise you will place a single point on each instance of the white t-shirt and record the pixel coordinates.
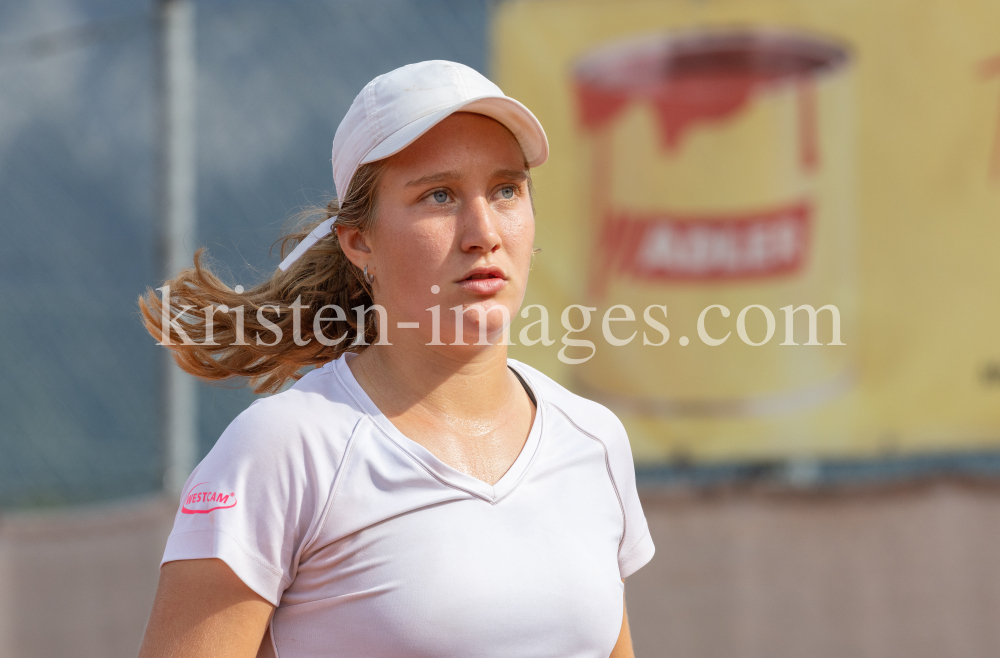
(371, 546)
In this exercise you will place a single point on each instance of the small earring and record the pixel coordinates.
(369, 278)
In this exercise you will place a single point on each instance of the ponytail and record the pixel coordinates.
(216, 333)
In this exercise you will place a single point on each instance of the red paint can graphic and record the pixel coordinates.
(721, 171)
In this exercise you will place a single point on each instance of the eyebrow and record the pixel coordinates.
(441, 176)
(514, 174)
(434, 178)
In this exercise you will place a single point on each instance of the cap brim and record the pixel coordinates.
(516, 117)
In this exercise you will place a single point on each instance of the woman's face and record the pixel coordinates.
(455, 227)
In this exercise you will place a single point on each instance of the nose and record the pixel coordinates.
(479, 228)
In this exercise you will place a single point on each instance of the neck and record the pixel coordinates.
(464, 382)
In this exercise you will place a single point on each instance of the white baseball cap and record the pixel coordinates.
(397, 107)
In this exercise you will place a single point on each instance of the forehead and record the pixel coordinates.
(461, 140)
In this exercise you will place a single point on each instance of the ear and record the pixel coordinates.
(354, 245)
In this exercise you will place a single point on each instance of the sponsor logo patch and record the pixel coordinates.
(200, 499)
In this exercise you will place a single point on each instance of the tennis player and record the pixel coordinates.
(416, 493)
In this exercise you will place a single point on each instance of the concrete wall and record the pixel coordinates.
(912, 572)
(908, 572)
(80, 583)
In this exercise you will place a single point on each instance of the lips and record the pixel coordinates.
(491, 272)
(484, 280)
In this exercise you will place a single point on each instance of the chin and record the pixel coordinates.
(497, 317)
(494, 334)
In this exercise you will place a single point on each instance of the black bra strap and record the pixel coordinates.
(527, 388)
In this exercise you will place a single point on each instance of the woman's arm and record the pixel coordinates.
(203, 609)
(623, 648)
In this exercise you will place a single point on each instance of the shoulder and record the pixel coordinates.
(258, 497)
(314, 415)
(284, 450)
(589, 417)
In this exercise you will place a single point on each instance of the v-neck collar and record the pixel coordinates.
(449, 475)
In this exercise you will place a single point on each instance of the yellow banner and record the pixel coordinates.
(791, 207)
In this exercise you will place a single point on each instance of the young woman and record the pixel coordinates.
(417, 493)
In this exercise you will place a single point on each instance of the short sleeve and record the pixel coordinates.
(636, 548)
(254, 500)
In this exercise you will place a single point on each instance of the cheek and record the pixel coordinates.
(407, 248)
(519, 237)
(410, 256)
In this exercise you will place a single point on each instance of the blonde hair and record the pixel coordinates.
(217, 349)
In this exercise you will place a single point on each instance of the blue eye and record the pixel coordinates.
(508, 192)
(440, 196)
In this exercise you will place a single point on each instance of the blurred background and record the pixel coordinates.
(835, 498)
